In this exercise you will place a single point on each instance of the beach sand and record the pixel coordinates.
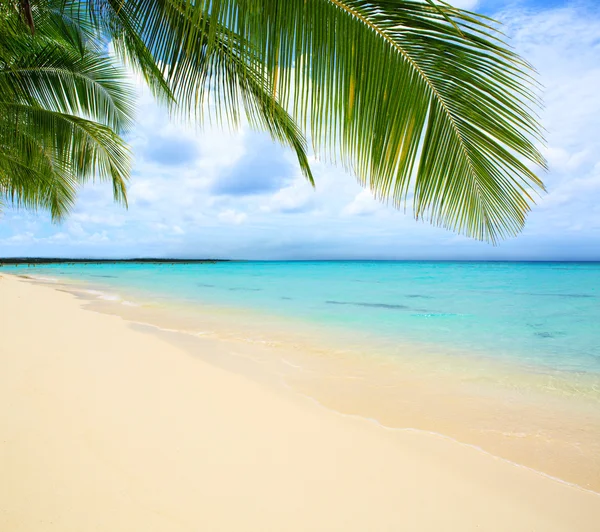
(105, 427)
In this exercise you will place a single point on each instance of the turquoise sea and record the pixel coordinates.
(539, 315)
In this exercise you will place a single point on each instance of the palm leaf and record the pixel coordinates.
(60, 78)
(420, 100)
(30, 178)
(63, 103)
(201, 71)
(77, 149)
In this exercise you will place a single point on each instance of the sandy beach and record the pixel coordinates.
(105, 427)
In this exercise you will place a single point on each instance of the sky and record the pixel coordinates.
(211, 193)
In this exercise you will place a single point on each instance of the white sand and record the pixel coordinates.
(106, 428)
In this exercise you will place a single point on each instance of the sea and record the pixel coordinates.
(539, 314)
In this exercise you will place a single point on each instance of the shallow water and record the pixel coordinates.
(544, 315)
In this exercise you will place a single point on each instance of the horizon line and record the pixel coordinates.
(180, 260)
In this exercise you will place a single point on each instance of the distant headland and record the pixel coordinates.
(57, 260)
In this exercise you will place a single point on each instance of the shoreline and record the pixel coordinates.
(472, 400)
(107, 427)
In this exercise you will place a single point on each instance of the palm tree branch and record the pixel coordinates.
(48, 75)
(212, 62)
(89, 149)
(26, 185)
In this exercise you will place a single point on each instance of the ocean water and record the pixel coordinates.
(539, 315)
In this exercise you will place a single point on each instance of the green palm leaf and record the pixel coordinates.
(421, 101)
(63, 101)
(30, 178)
(196, 71)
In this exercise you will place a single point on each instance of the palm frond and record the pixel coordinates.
(62, 79)
(71, 145)
(198, 76)
(420, 100)
(420, 108)
(31, 178)
(63, 104)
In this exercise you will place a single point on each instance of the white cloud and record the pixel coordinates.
(74, 229)
(563, 44)
(101, 236)
(59, 237)
(112, 220)
(298, 197)
(232, 216)
(465, 4)
(362, 204)
(21, 238)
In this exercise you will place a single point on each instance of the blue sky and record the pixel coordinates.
(210, 193)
